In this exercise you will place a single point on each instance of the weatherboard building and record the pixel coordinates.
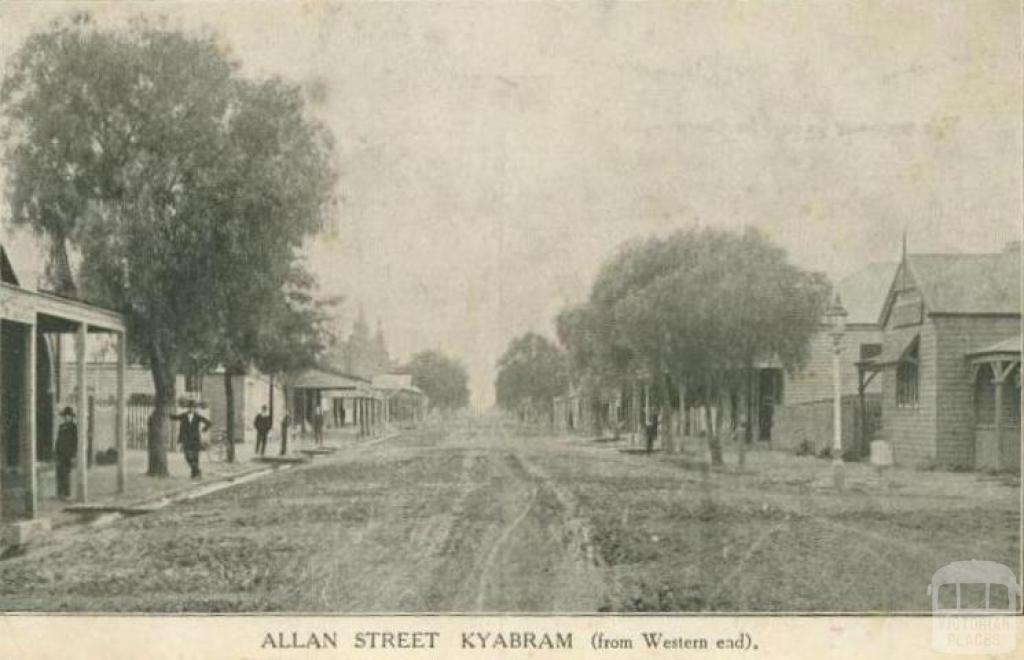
(950, 361)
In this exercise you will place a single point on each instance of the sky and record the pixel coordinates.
(492, 155)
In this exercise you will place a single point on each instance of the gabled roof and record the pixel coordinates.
(6, 269)
(964, 283)
(863, 292)
(969, 283)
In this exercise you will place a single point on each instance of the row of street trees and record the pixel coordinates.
(693, 312)
(187, 188)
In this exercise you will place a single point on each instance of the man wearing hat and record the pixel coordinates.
(190, 435)
(66, 450)
(263, 425)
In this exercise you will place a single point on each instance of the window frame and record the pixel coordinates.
(908, 378)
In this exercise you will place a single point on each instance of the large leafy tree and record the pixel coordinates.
(531, 372)
(184, 185)
(700, 308)
(289, 331)
(728, 301)
(442, 378)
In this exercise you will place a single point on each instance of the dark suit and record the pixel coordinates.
(652, 432)
(318, 426)
(190, 438)
(66, 450)
(263, 424)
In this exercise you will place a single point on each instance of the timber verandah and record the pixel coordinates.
(29, 389)
(361, 403)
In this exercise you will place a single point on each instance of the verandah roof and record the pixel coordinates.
(314, 379)
(55, 313)
(1006, 347)
(891, 356)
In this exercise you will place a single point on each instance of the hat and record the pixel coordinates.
(68, 410)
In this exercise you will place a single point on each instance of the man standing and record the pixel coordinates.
(190, 435)
(66, 450)
(263, 423)
(652, 430)
(318, 426)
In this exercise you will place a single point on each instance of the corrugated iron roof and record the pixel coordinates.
(969, 283)
(314, 379)
(1011, 345)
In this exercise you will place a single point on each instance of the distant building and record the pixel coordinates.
(950, 363)
(361, 354)
(404, 403)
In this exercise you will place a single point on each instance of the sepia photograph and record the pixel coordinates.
(478, 308)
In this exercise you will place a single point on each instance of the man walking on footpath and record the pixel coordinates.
(263, 423)
(66, 450)
(190, 435)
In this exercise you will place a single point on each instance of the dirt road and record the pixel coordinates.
(444, 522)
(478, 518)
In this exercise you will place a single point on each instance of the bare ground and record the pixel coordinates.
(480, 518)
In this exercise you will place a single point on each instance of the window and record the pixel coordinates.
(868, 351)
(907, 378)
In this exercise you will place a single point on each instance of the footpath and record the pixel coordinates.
(58, 519)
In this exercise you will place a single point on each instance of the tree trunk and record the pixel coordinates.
(270, 404)
(665, 419)
(163, 370)
(229, 408)
(287, 393)
(714, 443)
(744, 437)
(682, 412)
(720, 394)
